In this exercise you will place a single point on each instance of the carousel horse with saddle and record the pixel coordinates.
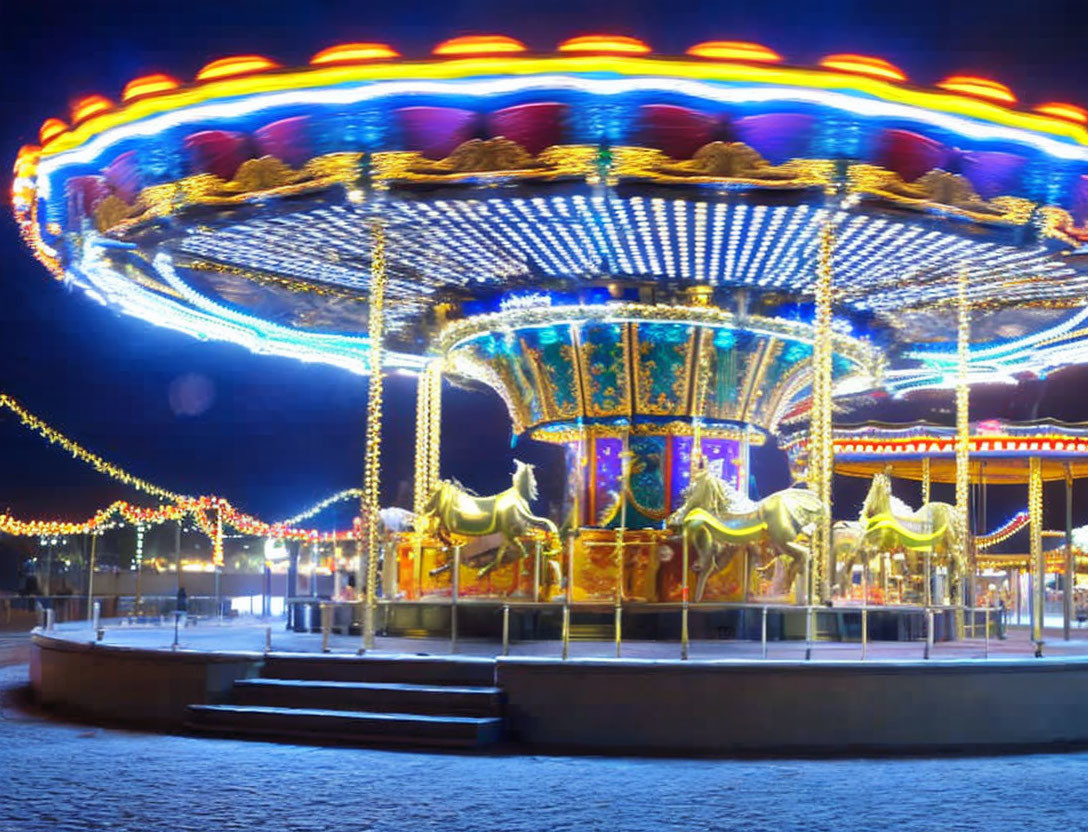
(719, 522)
(454, 511)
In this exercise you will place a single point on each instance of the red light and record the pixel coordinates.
(864, 65)
(734, 50)
(148, 85)
(351, 53)
(479, 45)
(50, 129)
(614, 44)
(92, 105)
(235, 65)
(978, 87)
(1069, 112)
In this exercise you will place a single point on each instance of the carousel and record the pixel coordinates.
(657, 262)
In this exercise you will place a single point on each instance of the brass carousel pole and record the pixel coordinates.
(370, 501)
(1070, 571)
(963, 472)
(434, 427)
(625, 478)
(422, 489)
(925, 480)
(423, 433)
(428, 415)
(1038, 565)
(820, 450)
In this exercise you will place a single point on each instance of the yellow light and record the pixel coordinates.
(521, 66)
(350, 53)
(148, 85)
(734, 50)
(479, 45)
(611, 44)
(1069, 112)
(863, 65)
(26, 160)
(235, 65)
(90, 106)
(978, 87)
(50, 129)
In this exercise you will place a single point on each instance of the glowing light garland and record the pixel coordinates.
(317, 508)
(197, 507)
(55, 437)
(211, 514)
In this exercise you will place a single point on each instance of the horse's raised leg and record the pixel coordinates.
(496, 562)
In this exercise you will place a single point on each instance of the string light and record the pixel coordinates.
(180, 505)
(55, 437)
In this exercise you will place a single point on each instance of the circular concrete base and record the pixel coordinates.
(638, 705)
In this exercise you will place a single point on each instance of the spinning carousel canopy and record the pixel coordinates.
(240, 205)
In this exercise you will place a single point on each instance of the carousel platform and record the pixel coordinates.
(256, 679)
(524, 621)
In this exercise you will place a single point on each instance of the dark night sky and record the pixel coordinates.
(280, 434)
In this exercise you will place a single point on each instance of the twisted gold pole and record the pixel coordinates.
(423, 432)
(820, 438)
(925, 480)
(434, 427)
(963, 435)
(370, 507)
(1038, 564)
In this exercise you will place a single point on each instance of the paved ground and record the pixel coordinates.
(248, 634)
(66, 777)
(61, 777)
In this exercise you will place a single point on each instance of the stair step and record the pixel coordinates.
(592, 632)
(408, 669)
(396, 697)
(354, 727)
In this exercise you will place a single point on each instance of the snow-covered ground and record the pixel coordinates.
(62, 777)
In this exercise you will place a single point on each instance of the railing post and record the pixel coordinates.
(864, 632)
(568, 596)
(864, 605)
(684, 596)
(987, 648)
(536, 570)
(326, 626)
(566, 630)
(929, 632)
(618, 625)
(455, 591)
(809, 621)
(506, 629)
(763, 629)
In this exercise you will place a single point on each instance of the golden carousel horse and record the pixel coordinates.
(889, 523)
(779, 519)
(456, 512)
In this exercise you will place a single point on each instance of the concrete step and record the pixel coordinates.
(348, 727)
(417, 670)
(397, 697)
(592, 632)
